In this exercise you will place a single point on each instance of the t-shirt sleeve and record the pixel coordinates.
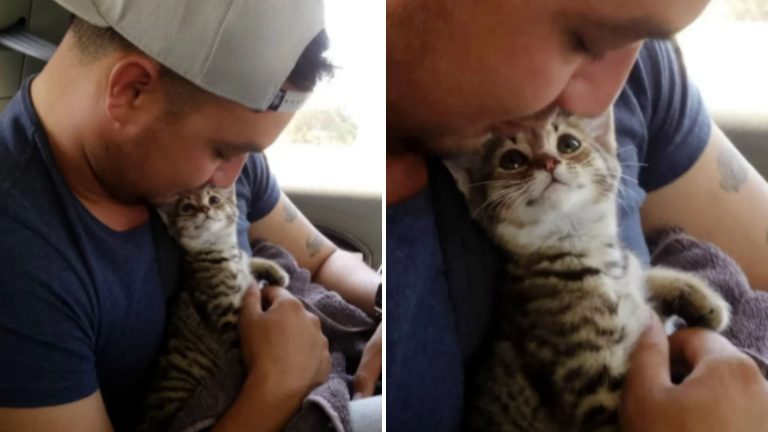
(257, 190)
(47, 336)
(678, 122)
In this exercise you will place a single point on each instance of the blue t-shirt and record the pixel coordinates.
(438, 306)
(82, 307)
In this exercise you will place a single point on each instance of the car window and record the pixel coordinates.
(724, 57)
(336, 142)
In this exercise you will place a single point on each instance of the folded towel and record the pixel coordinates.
(748, 330)
(326, 408)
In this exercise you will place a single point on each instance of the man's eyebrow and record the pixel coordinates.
(237, 146)
(631, 28)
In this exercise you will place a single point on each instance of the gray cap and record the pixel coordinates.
(242, 50)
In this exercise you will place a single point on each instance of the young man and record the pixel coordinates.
(457, 70)
(144, 100)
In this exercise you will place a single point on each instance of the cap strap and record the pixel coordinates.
(288, 101)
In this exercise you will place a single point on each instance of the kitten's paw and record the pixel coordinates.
(675, 292)
(273, 274)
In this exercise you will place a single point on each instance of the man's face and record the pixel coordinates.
(171, 155)
(459, 69)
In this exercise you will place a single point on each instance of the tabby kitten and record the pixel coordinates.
(574, 301)
(202, 322)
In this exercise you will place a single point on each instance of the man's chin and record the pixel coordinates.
(445, 146)
(159, 201)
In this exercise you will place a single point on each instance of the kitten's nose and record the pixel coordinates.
(546, 162)
(203, 208)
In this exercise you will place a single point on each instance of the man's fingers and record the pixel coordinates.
(369, 370)
(649, 362)
(252, 299)
(273, 293)
(691, 346)
(367, 374)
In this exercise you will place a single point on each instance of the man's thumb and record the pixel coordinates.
(252, 300)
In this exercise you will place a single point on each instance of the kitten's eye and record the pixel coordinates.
(568, 143)
(188, 208)
(214, 200)
(513, 160)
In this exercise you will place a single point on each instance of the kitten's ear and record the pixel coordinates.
(602, 129)
(462, 169)
(164, 211)
(460, 176)
(233, 192)
(229, 192)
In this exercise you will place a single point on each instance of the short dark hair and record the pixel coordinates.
(312, 66)
(95, 42)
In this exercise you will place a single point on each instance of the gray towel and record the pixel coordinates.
(327, 406)
(748, 329)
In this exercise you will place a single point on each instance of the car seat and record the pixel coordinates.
(29, 32)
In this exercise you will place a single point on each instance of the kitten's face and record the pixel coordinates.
(202, 218)
(565, 167)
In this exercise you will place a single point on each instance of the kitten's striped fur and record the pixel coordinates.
(574, 301)
(202, 322)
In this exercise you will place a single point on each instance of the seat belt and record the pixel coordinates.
(17, 38)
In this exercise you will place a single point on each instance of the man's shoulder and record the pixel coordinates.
(28, 189)
(16, 143)
(24, 239)
(257, 189)
(31, 217)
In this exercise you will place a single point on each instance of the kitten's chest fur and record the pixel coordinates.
(215, 283)
(572, 306)
(581, 305)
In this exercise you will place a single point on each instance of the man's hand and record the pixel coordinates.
(286, 355)
(723, 390)
(369, 370)
(283, 346)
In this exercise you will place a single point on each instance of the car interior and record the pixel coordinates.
(730, 74)
(29, 32)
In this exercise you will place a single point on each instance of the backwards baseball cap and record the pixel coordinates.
(242, 50)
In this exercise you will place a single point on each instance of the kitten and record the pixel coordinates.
(574, 301)
(202, 322)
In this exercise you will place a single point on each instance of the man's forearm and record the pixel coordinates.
(259, 408)
(349, 276)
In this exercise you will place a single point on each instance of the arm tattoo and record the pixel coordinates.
(289, 212)
(314, 244)
(733, 173)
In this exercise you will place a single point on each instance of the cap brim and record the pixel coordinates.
(86, 10)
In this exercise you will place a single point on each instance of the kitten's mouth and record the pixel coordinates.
(553, 181)
(205, 220)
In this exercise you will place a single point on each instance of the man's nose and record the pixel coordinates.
(228, 171)
(535, 121)
(595, 84)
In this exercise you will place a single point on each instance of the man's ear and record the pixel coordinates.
(132, 83)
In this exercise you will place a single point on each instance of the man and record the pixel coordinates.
(144, 100)
(457, 70)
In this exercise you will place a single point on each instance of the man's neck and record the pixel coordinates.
(51, 92)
